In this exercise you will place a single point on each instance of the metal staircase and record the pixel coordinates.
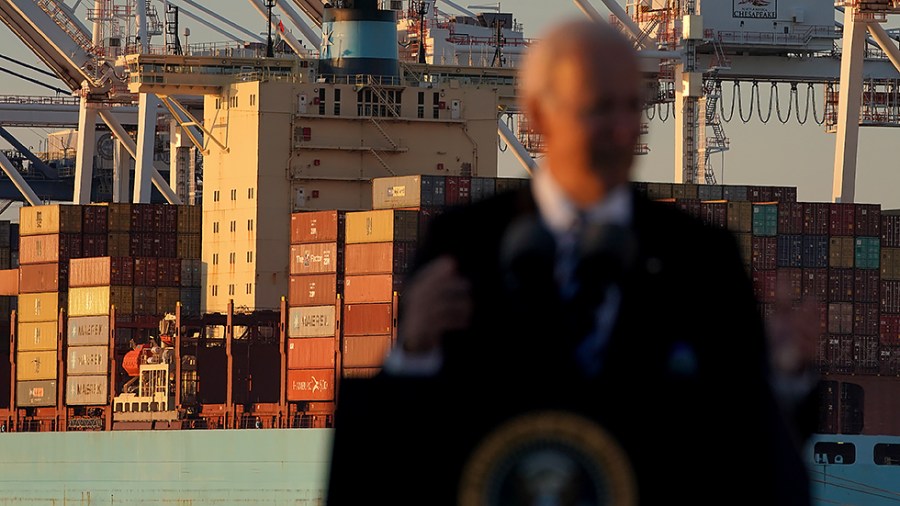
(718, 142)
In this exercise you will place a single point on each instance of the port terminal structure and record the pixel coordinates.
(689, 48)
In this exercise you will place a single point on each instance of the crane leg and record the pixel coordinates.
(84, 156)
(849, 103)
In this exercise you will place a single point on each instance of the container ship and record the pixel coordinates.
(204, 344)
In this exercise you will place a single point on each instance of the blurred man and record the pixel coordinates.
(577, 295)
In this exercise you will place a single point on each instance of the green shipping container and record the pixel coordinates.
(765, 220)
(868, 252)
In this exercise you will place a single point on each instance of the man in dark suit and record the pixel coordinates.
(579, 295)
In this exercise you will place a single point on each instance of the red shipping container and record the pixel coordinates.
(815, 284)
(765, 253)
(865, 319)
(313, 290)
(146, 271)
(868, 220)
(767, 311)
(867, 286)
(458, 190)
(816, 219)
(310, 385)
(369, 289)
(95, 220)
(168, 272)
(890, 297)
(320, 258)
(311, 353)
(365, 351)
(890, 230)
(319, 226)
(843, 219)
(790, 281)
(840, 285)
(368, 319)
(714, 214)
(890, 330)
(379, 258)
(690, 207)
(360, 372)
(170, 219)
(822, 314)
(142, 217)
(95, 245)
(765, 285)
(790, 218)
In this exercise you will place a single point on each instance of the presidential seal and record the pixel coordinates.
(548, 458)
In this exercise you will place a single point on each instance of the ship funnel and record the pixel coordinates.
(358, 38)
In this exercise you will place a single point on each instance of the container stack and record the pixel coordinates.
(50, 237)
(381, 247)
(9, 290)
(316, 267)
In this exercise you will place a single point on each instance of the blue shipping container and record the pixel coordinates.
(790, 251)
(815, 251)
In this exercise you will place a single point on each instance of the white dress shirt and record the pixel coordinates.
(558, 213)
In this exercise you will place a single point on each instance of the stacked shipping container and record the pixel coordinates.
(316, 268)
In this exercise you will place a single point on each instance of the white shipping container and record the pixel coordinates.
(311, 321)
(87, 390)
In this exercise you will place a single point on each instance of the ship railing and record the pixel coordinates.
(772, 38)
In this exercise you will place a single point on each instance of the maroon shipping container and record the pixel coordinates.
(765, 253)
(379, 258)
(890, 231)
(368, 319)
(168, 272)
(822, 315)
(365, 351)
(840, 353)
(866, 286)
(146, 271)
(868, 220)
(840, 285)
(865, 319)
(319, 258)
(890, 297)
(39, 278)
(843, 219)
(890, 329)
(169, 245)
(104, 271)
(790, 218)
(458, 190)
(320, 226)
(42, 249)
(370, 288)
(142, 217)
(95, 220)
(169, 219)
(816, 219)
(426, 215)
(714, 214)
(690, 207)
(760, 193)
(791, 282)
(765, 285)
(313, 290)
(310, 385)
(94, 245)
(311, 353)
(815, 284)
(767, 311)
(784, 194)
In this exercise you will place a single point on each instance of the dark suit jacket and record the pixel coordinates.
(683, 385)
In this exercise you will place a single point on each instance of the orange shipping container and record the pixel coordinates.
(42, 249)
(37, 278)
(54, 219)
(40, 307)
(379, 258)
(9, 282)
(43, 336)
(369, 289)
(365, 351)
(360, 372)
(321, 226)
(368, 319)
(311, 353)
(306, 385)
(101, 271)
(313, 290)
(322, 258)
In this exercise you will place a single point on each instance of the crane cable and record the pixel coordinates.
(754, 105)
